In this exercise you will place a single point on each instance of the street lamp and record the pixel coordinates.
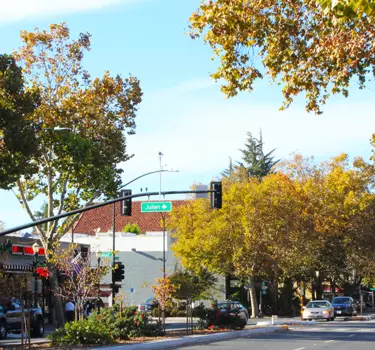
(114, 216)
(36, 247)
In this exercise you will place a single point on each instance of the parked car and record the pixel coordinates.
(11, 319)
(148, 305)
(318, 309)
(344, 306)
(230, 314)
(234, 305)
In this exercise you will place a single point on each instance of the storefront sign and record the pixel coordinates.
(19, 249)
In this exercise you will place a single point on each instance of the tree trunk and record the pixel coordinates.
(319, 288)
(54, 283)
(253, 298)
(275, 297)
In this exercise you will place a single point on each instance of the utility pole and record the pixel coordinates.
(113, 250)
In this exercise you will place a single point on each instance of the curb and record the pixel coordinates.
(291, 323)
(360, 318)
(195, 339)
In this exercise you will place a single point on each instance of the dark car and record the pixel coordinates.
(148, 305)
(235, 305)
(344, 306)
(231, 313)
(11, 319)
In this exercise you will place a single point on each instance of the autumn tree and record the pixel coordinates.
(348, 9)
(257, 232)
(295, 43)
(81, 125)
(163, 290)
(339, 201)
(81, 279)
(17, 133)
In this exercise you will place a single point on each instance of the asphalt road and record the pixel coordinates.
(340, 335)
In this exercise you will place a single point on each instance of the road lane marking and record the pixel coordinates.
(351, 335)
(329, 341)
(300, 348)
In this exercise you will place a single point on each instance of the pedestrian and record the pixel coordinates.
(69, 309)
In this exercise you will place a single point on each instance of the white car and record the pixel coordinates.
(318, 309)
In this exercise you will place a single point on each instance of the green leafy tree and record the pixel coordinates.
(78, 163)
(17, 134)
(295, 43)
(193, 285)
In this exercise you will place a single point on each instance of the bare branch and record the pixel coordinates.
(26, 206)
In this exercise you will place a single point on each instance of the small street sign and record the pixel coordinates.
(372, 288)
(156, 207)
(106, 254)
(117, 257)
(131, 290)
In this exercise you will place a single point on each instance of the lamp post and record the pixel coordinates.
(36, 247)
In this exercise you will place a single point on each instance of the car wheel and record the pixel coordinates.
(38, 330)
(3, 331)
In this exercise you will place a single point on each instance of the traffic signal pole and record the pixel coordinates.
(99, 205)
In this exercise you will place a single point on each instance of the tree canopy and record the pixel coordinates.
(81, 122)
(304, 218)
(295, 43)
(17, 133)
(81, 125)
(348, 9)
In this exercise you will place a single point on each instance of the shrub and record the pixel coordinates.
(181, 313)
(200, 311)
(174, 312)
(132, 228)
(86, 332)
(126, 323)
(155, 312)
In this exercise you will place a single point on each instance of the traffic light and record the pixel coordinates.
(216, 196)
(126, 204)
(118, 272)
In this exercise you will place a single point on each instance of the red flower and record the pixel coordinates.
(135, 312)
(137, 323)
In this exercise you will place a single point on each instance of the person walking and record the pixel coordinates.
(69, 309)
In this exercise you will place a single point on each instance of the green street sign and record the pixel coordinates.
(106, 254)
(117, 258)
(372, 288)
(156, 207)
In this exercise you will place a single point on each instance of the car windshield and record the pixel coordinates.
(223, 306)
(317, 304)
(340, 300)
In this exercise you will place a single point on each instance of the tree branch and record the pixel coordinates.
(61, 206)
(25, 203)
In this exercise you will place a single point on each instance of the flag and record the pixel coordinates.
(76, 263)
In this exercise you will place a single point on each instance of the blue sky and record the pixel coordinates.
(183, 113)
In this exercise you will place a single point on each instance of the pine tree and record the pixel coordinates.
(254, 161)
